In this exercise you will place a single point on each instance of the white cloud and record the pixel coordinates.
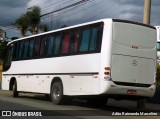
(36, 2)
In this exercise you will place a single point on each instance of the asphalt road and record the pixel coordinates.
(77, 109)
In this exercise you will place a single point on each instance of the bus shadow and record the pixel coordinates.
(83, 103)
(111, 106)
(42, 97)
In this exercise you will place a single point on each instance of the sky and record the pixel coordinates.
(92, 10)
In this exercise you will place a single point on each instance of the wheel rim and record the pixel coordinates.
(13, 87)
(56, 93)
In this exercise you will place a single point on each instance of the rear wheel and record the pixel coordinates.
(57, 93)
(15, 92)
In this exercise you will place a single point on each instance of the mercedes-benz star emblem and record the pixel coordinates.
(134, 63)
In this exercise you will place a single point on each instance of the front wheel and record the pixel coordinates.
(15, 92)
(57, 93)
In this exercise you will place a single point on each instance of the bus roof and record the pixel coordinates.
(87, 23)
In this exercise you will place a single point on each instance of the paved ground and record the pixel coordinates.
(78, 109)
(28, 101)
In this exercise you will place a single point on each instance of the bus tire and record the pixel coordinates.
(57, 93)
(15, 92)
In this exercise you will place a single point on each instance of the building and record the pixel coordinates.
(2, 34)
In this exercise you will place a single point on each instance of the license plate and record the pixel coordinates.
(132, 92)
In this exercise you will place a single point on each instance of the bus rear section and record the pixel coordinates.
(133, 59)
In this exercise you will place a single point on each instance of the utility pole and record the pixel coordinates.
(147, 11)
(141, 103)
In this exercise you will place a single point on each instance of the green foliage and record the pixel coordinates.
(22, 24)
(158, 77)
(30, 21)
(33, 15)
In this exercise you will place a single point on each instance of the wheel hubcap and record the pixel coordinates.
(56, 93)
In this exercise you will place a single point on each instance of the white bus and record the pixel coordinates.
(100, 59)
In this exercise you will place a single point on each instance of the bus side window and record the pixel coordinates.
(30, 48)
(43, 46)
(50, 45)
(57, 43)
(94, 39)
(25, 53)
(15, 50)
(85, 40)
(20, 50)
(73, 48)
(37, 47)
(65, 43)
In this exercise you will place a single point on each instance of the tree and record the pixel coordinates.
(22, 24)
(33, 16)
(30, 21)
(3, 45)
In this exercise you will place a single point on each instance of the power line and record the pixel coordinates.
(75, 7)
(69, 6)
(103, 10)
(110, 4)
(53, 5)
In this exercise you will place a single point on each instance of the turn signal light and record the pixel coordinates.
(107, 68)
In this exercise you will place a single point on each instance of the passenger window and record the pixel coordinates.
(57, 42)
(15, 50)
(94, 39)
(85, 40)
(37, 47)
(20, 49)
(65, 43)
(25, 53)
(30, 48)
(50, 45)
(43, 47)
(74, 42)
